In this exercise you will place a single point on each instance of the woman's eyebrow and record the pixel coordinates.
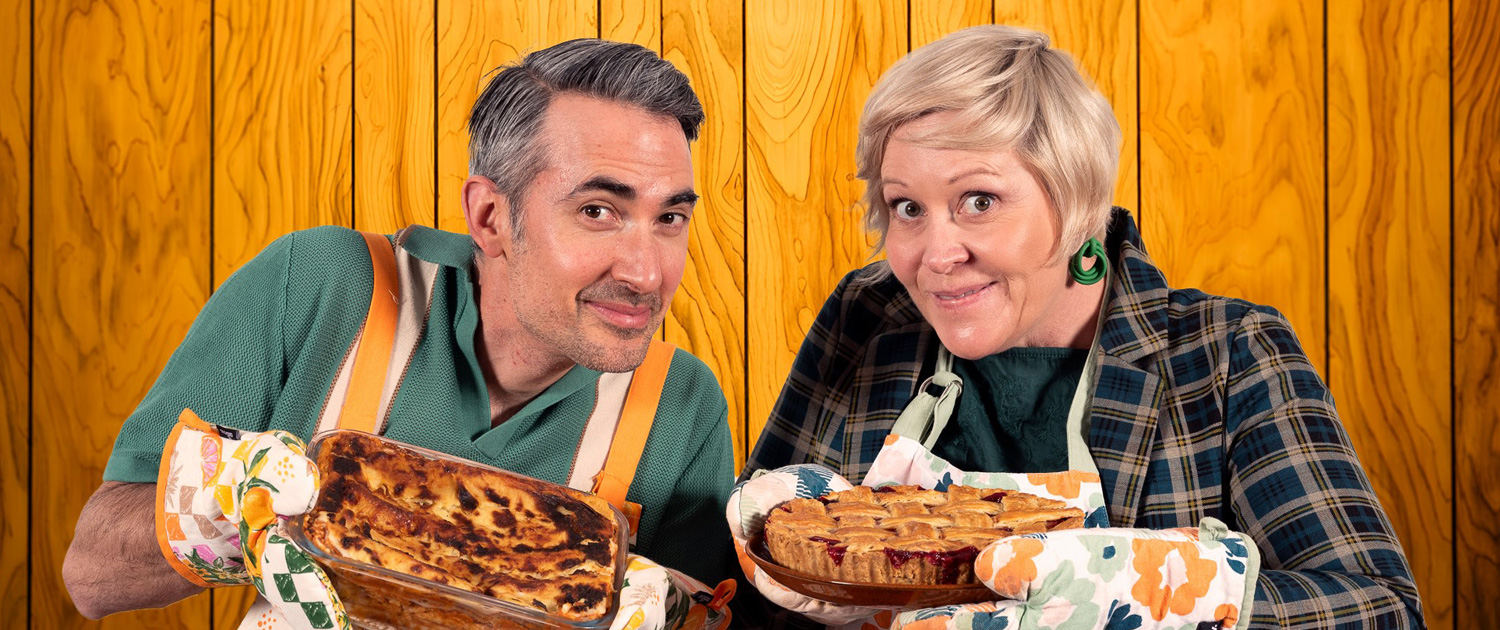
(979, 170)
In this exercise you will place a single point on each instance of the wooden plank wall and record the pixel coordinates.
(1336, 160)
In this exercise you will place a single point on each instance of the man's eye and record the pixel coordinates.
(906, 209)
(674, 219)
(978, 202)
(595, 212)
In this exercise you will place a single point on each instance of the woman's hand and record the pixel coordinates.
(748, 506)
(1128, 578)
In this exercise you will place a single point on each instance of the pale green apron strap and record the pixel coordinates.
(1078, 417)
(1079, 457)
(926, 415)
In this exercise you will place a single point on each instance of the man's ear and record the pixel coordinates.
(487, 213)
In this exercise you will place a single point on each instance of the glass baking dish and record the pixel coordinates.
(382, 599)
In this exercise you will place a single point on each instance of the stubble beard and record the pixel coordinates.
(569, 334)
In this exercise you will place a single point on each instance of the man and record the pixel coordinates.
(577, 205)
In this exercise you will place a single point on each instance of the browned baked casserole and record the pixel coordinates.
(512, 538)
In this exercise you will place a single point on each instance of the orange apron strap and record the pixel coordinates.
(377, 336)
(636, 418)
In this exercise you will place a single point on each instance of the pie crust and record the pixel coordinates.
(905, 534)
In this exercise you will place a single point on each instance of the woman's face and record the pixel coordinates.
(971, 236)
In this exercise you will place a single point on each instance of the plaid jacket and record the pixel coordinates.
(1204, 406)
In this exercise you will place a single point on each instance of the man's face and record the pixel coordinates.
(604, 234)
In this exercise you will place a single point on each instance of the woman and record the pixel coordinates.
(990, 163)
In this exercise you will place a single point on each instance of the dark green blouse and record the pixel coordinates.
(1013, 413)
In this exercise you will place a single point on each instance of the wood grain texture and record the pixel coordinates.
(393, 115)
(474, 38)
(634, 21)
(703, 38)
(15, 309)
(122, 261)
(282, 122)
(1232, 192)
(932, 19)
(1476, 304)
(1388, 269)
(1100, 36)
(282, 131)
(808, 71)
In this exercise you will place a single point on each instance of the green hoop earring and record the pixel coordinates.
(1091, 249)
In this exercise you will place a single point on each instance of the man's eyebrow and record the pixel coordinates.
(686, 197)
(606, 184)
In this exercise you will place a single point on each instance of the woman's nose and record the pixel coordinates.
(945, 247)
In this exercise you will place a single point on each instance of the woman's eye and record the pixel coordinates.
(906, 209)
(978, 203)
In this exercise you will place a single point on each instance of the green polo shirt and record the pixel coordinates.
(264, 351)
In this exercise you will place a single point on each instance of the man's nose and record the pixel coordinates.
(638, 260)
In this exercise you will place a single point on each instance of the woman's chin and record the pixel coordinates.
(971, 344)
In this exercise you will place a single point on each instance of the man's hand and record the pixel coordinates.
(657, 598)
(227, 493)
(113, 564)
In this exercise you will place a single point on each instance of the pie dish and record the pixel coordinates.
(413, 538)
(905, 534)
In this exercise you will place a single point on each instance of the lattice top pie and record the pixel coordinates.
(905, 534)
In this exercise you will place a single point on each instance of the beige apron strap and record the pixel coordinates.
(627, 430)
(370, 376)
(609, 399)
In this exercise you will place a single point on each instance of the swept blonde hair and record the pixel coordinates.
(1009, 90)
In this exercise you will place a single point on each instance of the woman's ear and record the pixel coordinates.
(487, 213)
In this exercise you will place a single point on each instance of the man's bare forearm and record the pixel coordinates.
(114, 563)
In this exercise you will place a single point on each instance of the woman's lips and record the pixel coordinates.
(962, 296)
(622, 315)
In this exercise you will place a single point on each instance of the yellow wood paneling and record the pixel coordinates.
(324, 113)
(15, 308)
(1476, 304)
(1232, 192)
(634, 21)
(808, 71)
(932, 19)
(393, 115)
(121, 261)
(282, 122)
(1100, 35)
(703, 38)
(474, 38)
(283, 127)
(1388, 273)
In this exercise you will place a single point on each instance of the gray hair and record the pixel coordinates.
(1010, 90)
(504, 124)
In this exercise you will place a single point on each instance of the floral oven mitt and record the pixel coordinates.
(750, 503)
(221, 496)
(655, 597)
(1112, 578)
(1119, 579)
